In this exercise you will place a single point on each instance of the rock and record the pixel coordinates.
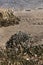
(8, 18)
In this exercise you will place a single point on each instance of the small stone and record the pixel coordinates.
(27, 59)
(35, 55)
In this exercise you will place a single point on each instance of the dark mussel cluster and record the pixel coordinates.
(24, 41)
(18, 47)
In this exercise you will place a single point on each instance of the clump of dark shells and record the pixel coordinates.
(21, 45)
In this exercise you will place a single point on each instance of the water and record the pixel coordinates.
(21, 4)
